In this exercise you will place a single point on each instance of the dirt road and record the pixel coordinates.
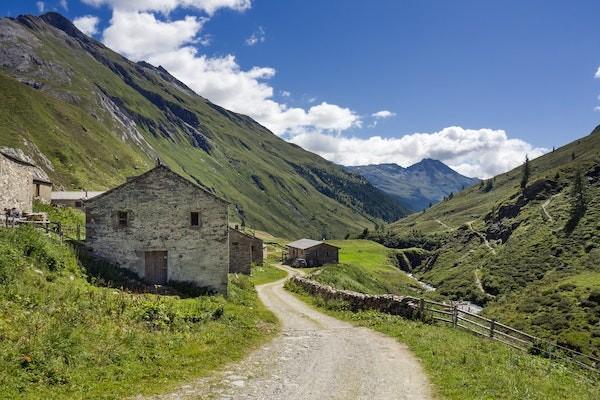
(316, 357)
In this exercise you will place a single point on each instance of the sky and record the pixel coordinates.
(476, 84)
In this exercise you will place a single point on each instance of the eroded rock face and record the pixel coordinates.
(541, 189)
(500, 230)
(593, 175)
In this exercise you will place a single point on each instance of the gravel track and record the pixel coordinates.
(315, 357)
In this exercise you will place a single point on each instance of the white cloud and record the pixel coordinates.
(259, 36)
(41, 6)
(473, 152)
(220, 79)
(597, 74)
(597, 108)
(87, 24)
(285, 93)
(383, 114)
(166, 6)
(64, 5)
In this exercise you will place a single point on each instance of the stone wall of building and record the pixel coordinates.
(159, 204)
(405, 306)
(244, 250)
(15, 185)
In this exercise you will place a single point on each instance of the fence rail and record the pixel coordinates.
(457, 318)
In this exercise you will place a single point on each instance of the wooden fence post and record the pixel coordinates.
(492, 327)
(78, 232)
(455, 316)
(422, 309)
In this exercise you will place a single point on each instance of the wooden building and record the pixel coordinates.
(164, 228)
(311, 253)
(244, 250)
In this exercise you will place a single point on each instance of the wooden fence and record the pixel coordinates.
(452, 315)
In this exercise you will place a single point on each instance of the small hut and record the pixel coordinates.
(312, 253)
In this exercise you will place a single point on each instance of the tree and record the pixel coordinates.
(578, 201)
(526, 173)
(573, 156)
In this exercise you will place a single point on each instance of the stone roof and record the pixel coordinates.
(304, 244)
(83, 195)
(18, 156)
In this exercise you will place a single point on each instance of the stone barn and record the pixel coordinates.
(16, 179)
(164, 228)
(244, 250)
(315, 253)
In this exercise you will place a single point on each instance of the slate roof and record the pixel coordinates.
(74, 195)
(304, 244)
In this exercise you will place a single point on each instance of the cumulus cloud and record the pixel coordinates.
(473, 152)
(166, 6)
(597, 74)
(383, 114)
(220, 79)
(41, 6)
(64, 5)
(87, 24)
(257, 37)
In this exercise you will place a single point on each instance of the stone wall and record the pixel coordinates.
(243, 251)
(159, 204)
(15, 185)
(407, 307)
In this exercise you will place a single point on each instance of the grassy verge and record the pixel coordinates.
(366, 267)
(462, 366)
(265, 274)
(61, 337)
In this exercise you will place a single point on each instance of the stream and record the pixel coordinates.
(461, 304)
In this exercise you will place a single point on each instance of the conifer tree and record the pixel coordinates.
(526, 173)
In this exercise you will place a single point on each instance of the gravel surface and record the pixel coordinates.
(315, 357)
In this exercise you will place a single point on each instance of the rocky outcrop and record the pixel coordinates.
(405, 306)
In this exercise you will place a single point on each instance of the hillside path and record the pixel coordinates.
(546, 204)
(482, 236)
(315, 357)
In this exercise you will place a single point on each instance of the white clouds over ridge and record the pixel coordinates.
(138, 32)
(473, 152)
(87, 24)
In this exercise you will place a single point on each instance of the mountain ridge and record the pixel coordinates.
(418, 185)
(90, 118)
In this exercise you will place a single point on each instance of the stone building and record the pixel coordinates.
(16, 190)
(162, 227)
(244, 250)
(313, 252)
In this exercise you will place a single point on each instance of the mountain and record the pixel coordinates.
(90, 118)
(529, 255)
(417, 186)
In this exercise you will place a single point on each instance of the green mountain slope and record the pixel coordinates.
(91, 118)
(417, 186)
(517, 251)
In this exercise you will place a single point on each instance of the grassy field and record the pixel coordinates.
(464, 367)
(265, 274)
(366, 267)
(62, 337)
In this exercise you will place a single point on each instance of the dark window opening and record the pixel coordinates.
(195, 218)
(123, 220)
(78, 204)
(37, 190)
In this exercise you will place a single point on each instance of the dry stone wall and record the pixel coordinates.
(405, 306)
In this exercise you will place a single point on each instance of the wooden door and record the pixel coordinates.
(156, 267)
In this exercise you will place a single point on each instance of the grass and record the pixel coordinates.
(62, 337)
(265, 274)
(367, 267)
(463, 367)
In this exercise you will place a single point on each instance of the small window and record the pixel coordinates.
(37, 190)
(78, 204)
(123, 220)
(195, 218)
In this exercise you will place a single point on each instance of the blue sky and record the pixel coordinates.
(477, 84)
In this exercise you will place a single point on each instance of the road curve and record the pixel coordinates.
(315, 357)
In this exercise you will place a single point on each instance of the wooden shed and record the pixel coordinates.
(313, 252)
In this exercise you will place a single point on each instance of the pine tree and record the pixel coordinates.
(578, 201)
(526, 173)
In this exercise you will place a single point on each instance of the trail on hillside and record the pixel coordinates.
(444, 224)
(546, 204)
(316, 357)
(482, 236)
